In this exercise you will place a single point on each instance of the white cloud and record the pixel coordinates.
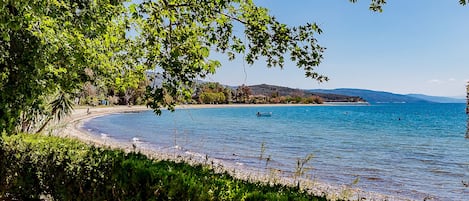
(435, 81)
(442, 81)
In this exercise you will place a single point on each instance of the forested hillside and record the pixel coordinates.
(272, 90)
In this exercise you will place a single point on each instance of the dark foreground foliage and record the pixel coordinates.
(32, 166)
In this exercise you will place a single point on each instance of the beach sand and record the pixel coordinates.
(71, 127)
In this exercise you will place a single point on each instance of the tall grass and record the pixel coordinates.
(34, 166)
(301, 168)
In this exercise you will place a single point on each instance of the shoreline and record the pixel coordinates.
(72, 127)
(207, 106)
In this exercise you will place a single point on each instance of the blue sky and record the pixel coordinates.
(414, 46)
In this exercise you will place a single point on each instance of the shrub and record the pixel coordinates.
(32, 166)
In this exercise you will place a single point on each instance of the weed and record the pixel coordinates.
(301, 169)
(274, 175)
(347, 193)
(262, 150)
(267, 160)
(64, 169)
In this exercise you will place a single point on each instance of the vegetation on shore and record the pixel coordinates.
(35, 166)
(57, 51)
(59, 47)
(212, 92)
(55, 48)
(216, 93)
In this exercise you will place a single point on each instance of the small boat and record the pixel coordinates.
(264, 114)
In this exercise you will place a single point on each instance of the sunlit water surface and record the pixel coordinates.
(410, 150)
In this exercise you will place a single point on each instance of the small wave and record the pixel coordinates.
(194, 154)
(177, 147)
(104, 135)
(369, 169)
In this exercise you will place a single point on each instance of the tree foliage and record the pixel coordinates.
(45, 47)
(212, 92)
(56, 46)
(178, 36)
(51, 47)
(377, 5)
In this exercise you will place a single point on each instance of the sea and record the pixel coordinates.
(418, 151)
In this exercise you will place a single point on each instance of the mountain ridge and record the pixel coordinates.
(351, 95)
(438, 99)
(372, 96)
(273, 90)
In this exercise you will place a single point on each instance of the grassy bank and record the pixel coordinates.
(32, 166)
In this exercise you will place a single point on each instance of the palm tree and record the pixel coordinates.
(61, 107)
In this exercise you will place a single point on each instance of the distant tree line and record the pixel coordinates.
(120, 92)
(215, 93)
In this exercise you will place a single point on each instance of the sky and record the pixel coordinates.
(414, 46)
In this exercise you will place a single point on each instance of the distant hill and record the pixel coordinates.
(437, 99)
(268, 90)
(373, 96)
(351, 95)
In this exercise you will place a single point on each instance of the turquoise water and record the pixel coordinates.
(410, 150)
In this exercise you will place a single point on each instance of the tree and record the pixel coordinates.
(212, 92)
(48, 47)
(242, 94)
(45, 47)
(176, 38)
(227, 92)
(377, 5)
(212, 97)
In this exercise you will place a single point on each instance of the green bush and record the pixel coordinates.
(32, 166)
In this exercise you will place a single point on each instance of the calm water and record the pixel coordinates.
(411, 150)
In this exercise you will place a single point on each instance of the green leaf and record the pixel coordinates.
(133, 8)
(6, 36)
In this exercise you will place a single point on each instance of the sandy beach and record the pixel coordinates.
(72, 128)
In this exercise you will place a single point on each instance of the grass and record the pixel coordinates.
(34, 166)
